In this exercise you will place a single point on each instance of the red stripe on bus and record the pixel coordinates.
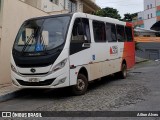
(129, 24)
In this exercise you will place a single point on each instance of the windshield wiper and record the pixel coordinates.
(43, 44)
(28, 41)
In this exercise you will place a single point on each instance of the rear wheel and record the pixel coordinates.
(123, 73)
(81, 87)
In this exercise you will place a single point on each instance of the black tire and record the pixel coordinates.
(81, 87)
(123, 73)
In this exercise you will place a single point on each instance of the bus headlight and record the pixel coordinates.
(59, 66)
(13, 69)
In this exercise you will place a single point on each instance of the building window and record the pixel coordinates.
(151, 6)
(54, 1)
(151, 15)
(72, 6)
(148, 16)
(140, 18)
(147, 6)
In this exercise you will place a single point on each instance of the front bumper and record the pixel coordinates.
(46, 81)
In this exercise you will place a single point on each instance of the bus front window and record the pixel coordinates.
(41, 35)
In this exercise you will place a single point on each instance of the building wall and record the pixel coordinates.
(148, 23)
(140, 16)
(1, 3)
(12, 19)
(48, 6)
(149, 50)
(61, 5)
(157, 2)
(75, 6)
(150, 15)
(149, 4)
(32, 2)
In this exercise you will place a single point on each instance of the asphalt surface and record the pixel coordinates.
(139, 92)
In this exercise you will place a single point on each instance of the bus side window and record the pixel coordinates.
(86, 30)
(81, 31)
(120, 33)
(129, 35)
(99, 31)
(111, 32)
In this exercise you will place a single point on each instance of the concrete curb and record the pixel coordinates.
(142, 61)
(10, 95)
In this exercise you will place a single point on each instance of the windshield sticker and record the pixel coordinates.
(39, 47)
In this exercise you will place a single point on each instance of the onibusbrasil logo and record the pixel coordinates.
(21, 115)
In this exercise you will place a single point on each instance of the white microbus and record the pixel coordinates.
(71, 50)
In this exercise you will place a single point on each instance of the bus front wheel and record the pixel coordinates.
(81, 87)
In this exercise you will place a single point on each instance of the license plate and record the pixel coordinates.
(33, 80)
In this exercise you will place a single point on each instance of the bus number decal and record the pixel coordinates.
(113, 50)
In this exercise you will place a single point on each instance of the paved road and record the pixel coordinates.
(139, 92)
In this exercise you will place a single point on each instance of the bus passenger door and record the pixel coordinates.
(79, 48)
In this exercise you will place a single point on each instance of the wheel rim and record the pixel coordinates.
(80, 84)
(124, 71)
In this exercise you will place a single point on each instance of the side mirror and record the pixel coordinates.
(85, 39)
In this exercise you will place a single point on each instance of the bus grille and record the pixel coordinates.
(42, 83)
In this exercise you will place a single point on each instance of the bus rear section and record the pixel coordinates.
(71, 50)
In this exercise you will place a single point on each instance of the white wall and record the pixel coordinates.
(149, 12)
(14, 13)
(141, 15)
(157, 2)
(149, 2)
(148, 23)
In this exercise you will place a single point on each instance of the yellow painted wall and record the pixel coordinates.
(14, 13)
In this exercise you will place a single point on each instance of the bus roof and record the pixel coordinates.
(89, 16)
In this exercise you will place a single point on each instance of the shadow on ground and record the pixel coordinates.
(61, 92)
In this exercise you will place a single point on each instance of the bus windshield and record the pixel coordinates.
(41, 35)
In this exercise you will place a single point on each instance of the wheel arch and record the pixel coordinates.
(124, 62)
(84, 71)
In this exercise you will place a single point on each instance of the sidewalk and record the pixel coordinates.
(7, 92)
(140, 60)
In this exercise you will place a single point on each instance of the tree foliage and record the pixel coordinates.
(108, 12)
(129, 17)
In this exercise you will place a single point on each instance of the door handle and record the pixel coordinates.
(86, 45)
